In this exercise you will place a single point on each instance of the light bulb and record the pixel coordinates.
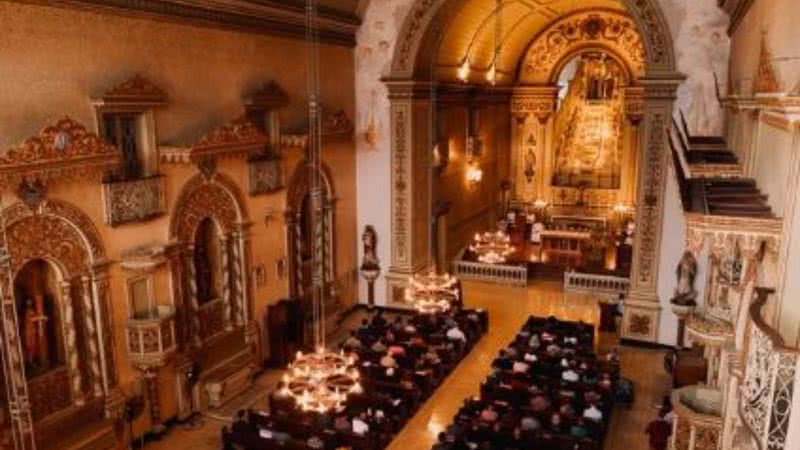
(491, 75)
(463, 71)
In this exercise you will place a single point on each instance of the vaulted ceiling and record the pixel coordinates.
(472, 30)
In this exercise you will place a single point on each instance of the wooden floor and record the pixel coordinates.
(508, 309)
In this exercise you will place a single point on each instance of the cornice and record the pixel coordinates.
(284, 18)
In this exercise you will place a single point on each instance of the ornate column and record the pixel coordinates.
(90, 327)
(173, 253)
(194, 302)
(329, 261)
(642, 309)
(227, 306)
(240, 271)
(19, 407)
(411, 159)
(539, 102)
(70, 343)
(151, 386)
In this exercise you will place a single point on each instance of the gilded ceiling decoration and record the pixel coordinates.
(471, 33)
(608, 30)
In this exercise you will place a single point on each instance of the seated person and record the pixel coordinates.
(379, 346)
(520, 367)
(529, 423)
(341, 423)
(489, 415)
(353, 343)
(388, 361)
(579, 430)
(455, 334)
(593, 413)
(360, 425)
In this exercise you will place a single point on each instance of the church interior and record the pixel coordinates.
(400, 224)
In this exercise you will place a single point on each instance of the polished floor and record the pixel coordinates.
(508, 309)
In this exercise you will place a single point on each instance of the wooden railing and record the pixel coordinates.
(512, 275)
(768, 390)
(595, 283)
(152, 341)
(134, 200)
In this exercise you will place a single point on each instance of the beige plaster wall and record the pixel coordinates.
(52, 60)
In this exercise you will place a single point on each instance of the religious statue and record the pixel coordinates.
(34, 335)
(536, 232)
(686, 272)
(627, 235)
(370, 240)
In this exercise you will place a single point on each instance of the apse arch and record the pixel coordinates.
(648, 107)
(413, 58)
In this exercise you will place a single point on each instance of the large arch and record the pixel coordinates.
(64, 237)
(301, 187)
(409, 82)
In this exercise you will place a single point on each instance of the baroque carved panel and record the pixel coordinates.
(134, 200)
(608, 29)
(200, 198)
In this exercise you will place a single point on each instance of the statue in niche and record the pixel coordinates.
(34, 290)
(370, 240)
(686, 272)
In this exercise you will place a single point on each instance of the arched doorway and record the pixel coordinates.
(58, 279)
(415, 64)
(209, 232)
(300, 235)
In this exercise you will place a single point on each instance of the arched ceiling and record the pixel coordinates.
(472, 29)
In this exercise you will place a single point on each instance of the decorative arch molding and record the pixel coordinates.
(609, 30)
(217, 197)
(211, 195)
(410, 62)
(300, 187)
(62, 235)
(55, 231)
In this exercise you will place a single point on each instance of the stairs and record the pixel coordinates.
(711, 178)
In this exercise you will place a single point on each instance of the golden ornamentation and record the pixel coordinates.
(138, 90)
(400, 176)
(218, 198)
(64, 149)
(607, 29)
(134, 200)
(639, 325)
(766, 80)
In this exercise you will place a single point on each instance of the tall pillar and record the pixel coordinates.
(241, 267)
(642, 308)
(539, 102)
(194, 302)
(19, 407)
(411, 159)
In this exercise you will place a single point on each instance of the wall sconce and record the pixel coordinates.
(474, 174)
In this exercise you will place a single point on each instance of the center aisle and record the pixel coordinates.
(508, 308)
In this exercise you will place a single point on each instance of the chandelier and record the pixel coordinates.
(432, 293)
(322, 380)
(492, 248)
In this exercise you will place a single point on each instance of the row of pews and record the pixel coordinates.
(710, 177)
(547, 390)
(424, 349)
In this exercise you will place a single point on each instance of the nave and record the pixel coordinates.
(508, 308)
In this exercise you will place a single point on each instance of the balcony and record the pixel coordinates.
(133, 200)
(151, 340)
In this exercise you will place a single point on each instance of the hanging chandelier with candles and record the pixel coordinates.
(322, 380)
(492, 247)
(432, 293)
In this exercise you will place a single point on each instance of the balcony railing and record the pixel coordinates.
(767, 392)
(151, 341)
(133, 200)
